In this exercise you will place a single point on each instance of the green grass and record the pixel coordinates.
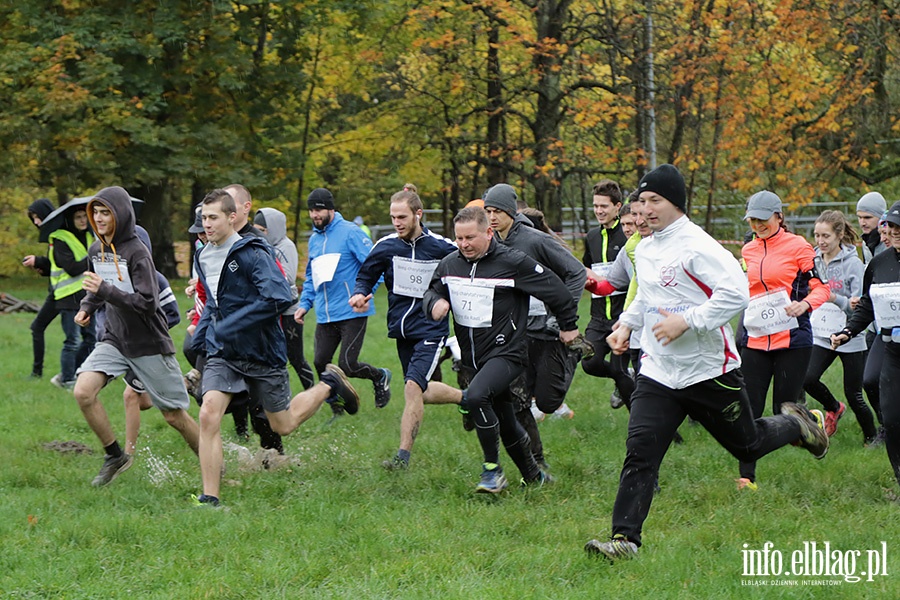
(336, 525)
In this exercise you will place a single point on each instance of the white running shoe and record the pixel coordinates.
(563, 412)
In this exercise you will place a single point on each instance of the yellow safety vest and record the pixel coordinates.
(63, 284)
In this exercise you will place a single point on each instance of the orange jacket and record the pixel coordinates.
(784, 261)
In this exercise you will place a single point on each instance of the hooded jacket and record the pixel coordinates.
(510, 277)
(683, 270)
(784, 261)
(344, 241)
(69, 261)
(243, 320)
(406, 319)
(285, 249)
(602, 245)
(844, 277)
(41, 207)
(549, 252)
(883, 269)
(135, 322)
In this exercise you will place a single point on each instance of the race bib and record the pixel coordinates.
(686, 344)
(472, 304)
(827, 319)
(324, 267)
(602, 270)
(536, 308)
(886, 302)
(765, 314)
(412, 277)
(110, 274)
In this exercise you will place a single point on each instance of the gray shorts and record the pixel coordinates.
(160, 374)
(268, 385)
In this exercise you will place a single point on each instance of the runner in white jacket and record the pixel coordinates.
(689, 288)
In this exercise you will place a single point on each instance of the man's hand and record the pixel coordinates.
(669, 329)
(619, 339)
(795, 309)
(360, 303)
(440, 309)
(28, 261)
(298, 316)
(837, 339)
(854, 300)
(567, 337)
(82, 318)
(91, 282)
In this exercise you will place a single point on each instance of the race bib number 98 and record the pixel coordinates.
(412, 277)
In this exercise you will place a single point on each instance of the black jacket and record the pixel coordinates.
(512, 277)
(883, 268)
(602, 245)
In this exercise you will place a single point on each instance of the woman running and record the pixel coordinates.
(784, 289)
(843, 270)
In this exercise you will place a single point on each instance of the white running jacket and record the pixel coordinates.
(683, 270)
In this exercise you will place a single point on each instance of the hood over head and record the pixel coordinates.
(275, 223)
(144, 237)
(117, 200)
(41, 207)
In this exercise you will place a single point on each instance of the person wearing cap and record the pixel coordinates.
(869, 210)
(689, 289)
(785, 287)
(337, 249)
(880, 303)
(37, 212)
(601, 247)
(406, 260)
(550, 365)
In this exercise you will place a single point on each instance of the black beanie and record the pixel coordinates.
(666, 181)
(502, 196)
(320, 198)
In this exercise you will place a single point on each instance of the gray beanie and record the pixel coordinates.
(502, 196)
(872, 203)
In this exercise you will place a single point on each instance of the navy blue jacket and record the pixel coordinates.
(405, 318)
(244, 321)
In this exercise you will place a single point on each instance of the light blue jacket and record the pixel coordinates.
(845, 278)
(331, 299)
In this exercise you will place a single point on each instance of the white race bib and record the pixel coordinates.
(412, 277)
(827, 319)
(110, 274)
(602, 270)
(765, 315)
(886, 302)
(536, 308)
(323, 268)
(473, 304)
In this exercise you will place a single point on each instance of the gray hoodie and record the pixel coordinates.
(845, 278)
(285, 250)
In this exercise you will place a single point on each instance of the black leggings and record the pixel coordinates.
(872, 373)
(890, 404)
(349, 336)
(41, 322)
(784, 369)
(853, 364)
(615, 368)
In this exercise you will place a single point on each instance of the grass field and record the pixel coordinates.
(334, 524)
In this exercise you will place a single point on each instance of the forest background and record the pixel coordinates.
(172, 98)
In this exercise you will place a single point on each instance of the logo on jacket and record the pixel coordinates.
(667, 276)
(233, 266)
(500, 340)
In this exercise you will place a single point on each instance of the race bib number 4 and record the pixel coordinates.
(765, 315)
(886, 302)
(116, 276)
(412, 277)
(827, 319)
(324, 267)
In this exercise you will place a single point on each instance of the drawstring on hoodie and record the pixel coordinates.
(115, 256)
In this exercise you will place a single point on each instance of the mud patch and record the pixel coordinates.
(69, 447)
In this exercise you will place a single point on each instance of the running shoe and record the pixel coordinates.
(112, 467)
(832, 417)
(581, 346)
(617, 548)
(563, 412)
(383, 389)
(343, 395)
(543, 478)
(877, 441)
(204, 501)
(745, 484)
(493, 481)
(812, 428)
(395, 464)
(57, 380)
(537, 413)
(615, 400)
